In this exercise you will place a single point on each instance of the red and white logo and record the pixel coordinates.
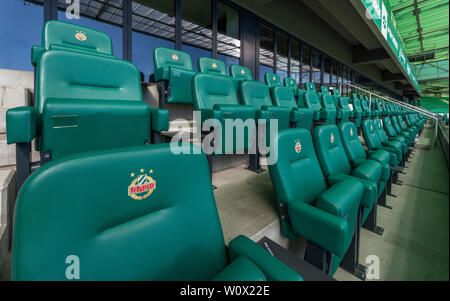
(80, 36)
(298, 146)
(142, 186)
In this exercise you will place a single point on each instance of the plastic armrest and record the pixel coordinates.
(161, 74)
(323, 114)
(370, 188)
(320, 227)
(21, 124)
(36, 53)
(209, 114)
(160, 119)
(272, 268)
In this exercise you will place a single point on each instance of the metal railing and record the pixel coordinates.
(402, 104)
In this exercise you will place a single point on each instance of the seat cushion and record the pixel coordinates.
(240, 269)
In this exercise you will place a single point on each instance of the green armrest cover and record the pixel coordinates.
(322, 228)
(36, 53)
(21, 124)
(160, 119)
(236, 111)
(383, 157)
(282, 114)
(370, 189)
(369, 170)
(273, 269)
(240, 269)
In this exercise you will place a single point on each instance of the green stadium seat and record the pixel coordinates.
(374, 143)
(58, 35)
(336, 167)
(336, 95)
(325, 217)
(211, 66)
(344, 113)
(95, 104)
(291, 83)
(240, 73)
(324, 110)
(215, 97)
(148, 231)
(174, 73)
(284, 97)
(385, 139)
(357, 111)
(257, 95)
(357, 156)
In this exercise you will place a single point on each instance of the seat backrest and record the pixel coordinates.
(330, 151)
(324, 90)
(380, 131)
(336, 92)
(118, 213)
(328, 102)
(387, 124)
(370, 136)
(357, 105)
(310, 87)
(312, 100)
(395, 124)
(240, 72)
(89, 77)
(212, 66)
(295, 156)
(209, 90)
(351, 142)
(283, 97)
(290, 82)
(301, 98)
(255, 94)
(58, 35)
(170, 58)
(272, 79)
(354, 97)
(81, 107)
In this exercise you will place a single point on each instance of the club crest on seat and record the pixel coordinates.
(142, 186)
(298, 146)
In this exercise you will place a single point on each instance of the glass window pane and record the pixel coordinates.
(266, 55)
(20, 28)
(306, 75)
(316, 68)
(326, 72)
(197, 29)
(102, 15)
(153, 26)
(295, 61)
(282, 56)
(228, 35)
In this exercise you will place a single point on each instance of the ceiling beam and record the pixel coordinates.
(409, 93)
(400, 86)
(386, 76)
(362, 56)
(419, 27)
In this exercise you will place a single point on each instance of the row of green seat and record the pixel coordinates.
(85, 99)
(339, 193)
(104, 208)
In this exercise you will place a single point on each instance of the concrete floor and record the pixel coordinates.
(415, 243)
